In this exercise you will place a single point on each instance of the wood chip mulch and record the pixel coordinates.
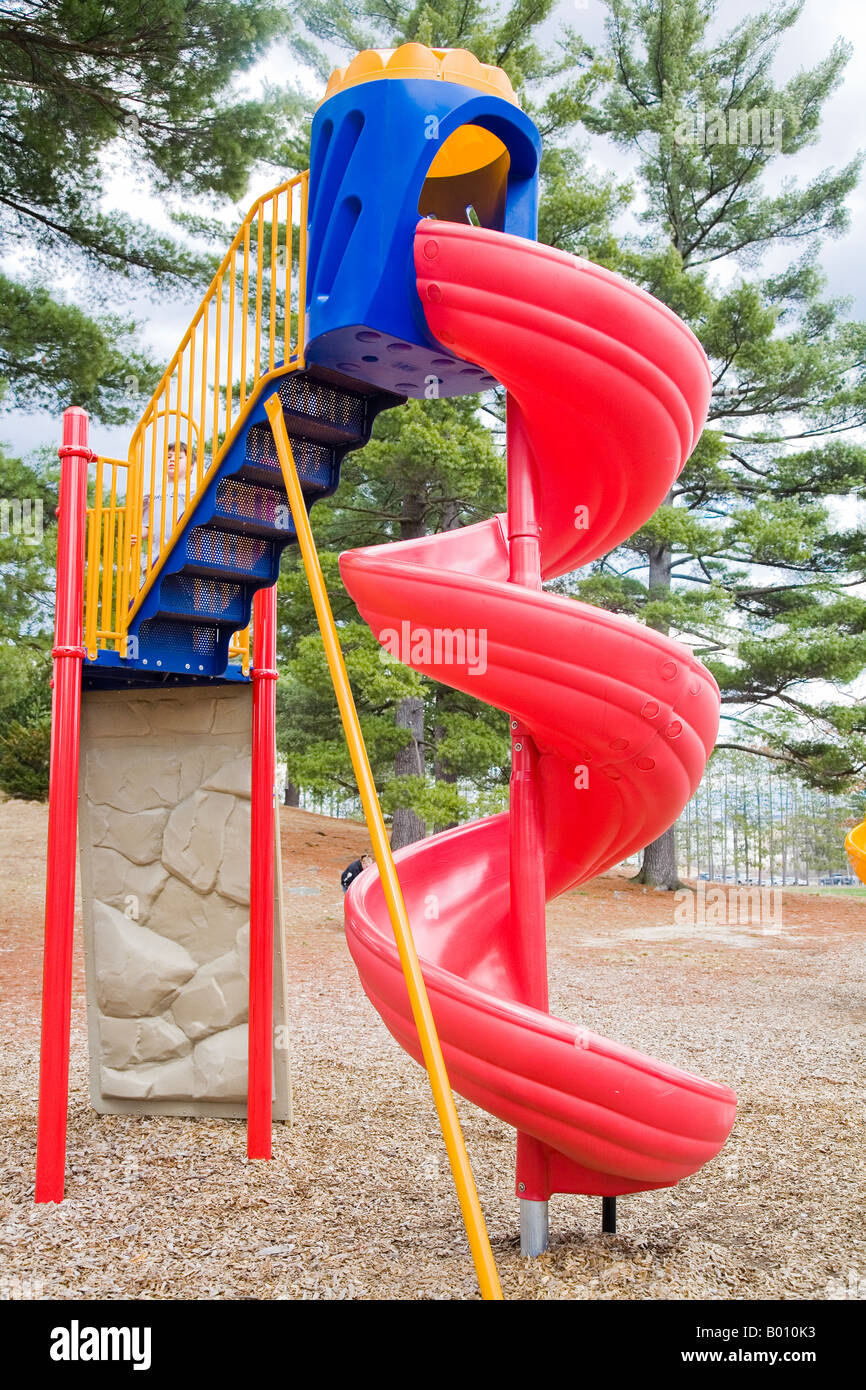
(358, 1201)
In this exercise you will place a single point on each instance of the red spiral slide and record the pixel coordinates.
(608, 391)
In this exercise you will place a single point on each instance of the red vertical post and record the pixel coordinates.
(261, 1022)
(526, 846)
(528, 916)
(68, 654)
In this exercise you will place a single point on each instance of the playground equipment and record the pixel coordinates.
(855, 848)
(406, 264)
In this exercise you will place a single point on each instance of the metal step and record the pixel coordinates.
(314, 461)
(319, 409)
(252, 510)
(188, 598)
(223, 554)
(166, 644)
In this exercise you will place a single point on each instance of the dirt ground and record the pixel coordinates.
(358, 1201)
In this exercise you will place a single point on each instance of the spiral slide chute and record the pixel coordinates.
(608, 391)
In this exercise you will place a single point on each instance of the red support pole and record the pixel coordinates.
(525, 819)
(68, 654)
(261, 1043)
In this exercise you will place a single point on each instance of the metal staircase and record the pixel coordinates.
(175, 554)
(239, 525)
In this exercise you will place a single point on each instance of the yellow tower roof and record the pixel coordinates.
(417, 60)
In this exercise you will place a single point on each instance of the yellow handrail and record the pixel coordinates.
(482, 1255)
(171, 466)
(200, 403)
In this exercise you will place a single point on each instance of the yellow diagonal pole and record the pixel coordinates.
(473, 1218)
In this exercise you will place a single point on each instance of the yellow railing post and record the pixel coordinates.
(94, 521)
(485, 1266)
(105, 574)
(302, 273)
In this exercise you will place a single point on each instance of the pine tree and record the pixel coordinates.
(28, 496)
(83, 83)
(746, 559)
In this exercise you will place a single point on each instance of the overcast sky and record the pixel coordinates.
(843, 133)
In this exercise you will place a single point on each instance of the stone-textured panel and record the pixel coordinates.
(131, 777)
(180, 715)
(170, 1081)
(132, 1083)
(138, 972)
(200, 761)
(230, 717)
(137, 836)
(242, 946)
(193, 844)
(207, 925)
(132, 888)
(165, 825)
(128, 1041)
(233, 777)
(220, 1064)
(216, 997)
(233, 880)
(126, 722)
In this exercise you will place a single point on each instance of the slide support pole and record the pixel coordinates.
(464, 1182)
(68, 655)
(262, 851)
(528, 916)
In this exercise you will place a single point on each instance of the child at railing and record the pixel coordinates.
(158, 511)
(160, 514)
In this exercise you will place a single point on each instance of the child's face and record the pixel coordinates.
(176, 462)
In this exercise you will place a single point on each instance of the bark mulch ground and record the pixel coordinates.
(358, 1201)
